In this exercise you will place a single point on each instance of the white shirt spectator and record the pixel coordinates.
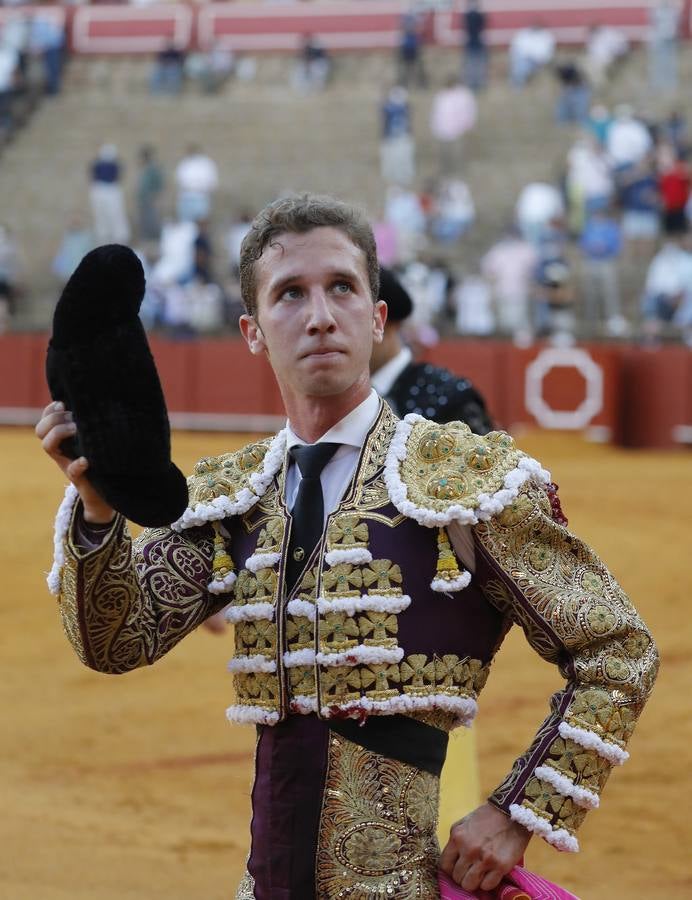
(588, 171)
(538, 204)
(670, 272)
(535, 44)
(198, 173)
(606, 44)
(628, 139)
(454, 112)
(9, 60)
(474, 312)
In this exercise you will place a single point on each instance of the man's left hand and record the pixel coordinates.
(482, 848)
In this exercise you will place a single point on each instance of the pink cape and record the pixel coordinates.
(519, 884)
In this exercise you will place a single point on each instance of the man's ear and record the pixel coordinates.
(378, 321)
(250, 330)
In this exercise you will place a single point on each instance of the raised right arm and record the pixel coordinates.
(123, 605)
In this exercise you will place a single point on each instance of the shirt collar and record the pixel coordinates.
(351, 430)
(383, 379)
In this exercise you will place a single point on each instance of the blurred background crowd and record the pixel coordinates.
(526, 191)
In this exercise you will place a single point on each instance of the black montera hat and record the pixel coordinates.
(395, 295)
(100, 366)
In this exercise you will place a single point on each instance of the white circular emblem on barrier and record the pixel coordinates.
(563, 358)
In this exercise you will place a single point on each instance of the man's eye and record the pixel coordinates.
(292, 293)
(342, 287)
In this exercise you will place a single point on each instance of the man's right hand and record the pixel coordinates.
(56, 425)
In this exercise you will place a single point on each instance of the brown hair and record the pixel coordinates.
(298, 215)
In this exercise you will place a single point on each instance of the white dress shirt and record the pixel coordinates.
(351, 432)
(383, 379)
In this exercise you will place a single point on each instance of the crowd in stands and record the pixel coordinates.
(554, 269)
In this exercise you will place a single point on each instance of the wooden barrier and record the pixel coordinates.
(634, 396)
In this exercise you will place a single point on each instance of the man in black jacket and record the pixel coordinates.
(411, 387)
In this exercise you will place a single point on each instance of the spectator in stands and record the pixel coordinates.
(664, 23)
(10, 266)
(169, 70)
(667, 297)
(639, 198)
(601, 245)
(589, 181)
(674, 130)
(107, 199)
(599, 122)
(509, 267)
(575, 95)
(629, 140)
(210, 69)
(554, 310)
(76, 242)
(404, 212)
(454, 211)
(605, 48)
(539, 204)
(313, 66)
(410, 51)
(674, 187)
(453, 114)
(150, 184)
(530, 50)
(397, 148)
(48, 41)
(472, 300)
(234, 239)
(475, 47)
(197, 178)
(9, 74)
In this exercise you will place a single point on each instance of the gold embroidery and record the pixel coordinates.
(347, 532)
(256, 637)
(382, 575)
(449, 464)
(341, 580)
(377, 831)
(225, 475)
(340, 684)
(246, 888)
(257, 689)
(338, 632)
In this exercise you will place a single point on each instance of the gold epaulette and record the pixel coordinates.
(225, 475)
(449, 473)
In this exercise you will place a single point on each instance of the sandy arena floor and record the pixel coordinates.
(136, 788)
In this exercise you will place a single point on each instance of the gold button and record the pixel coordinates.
(298, 554)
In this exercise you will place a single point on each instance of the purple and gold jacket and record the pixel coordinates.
(384, 619)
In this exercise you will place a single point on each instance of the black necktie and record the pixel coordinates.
(308, 509)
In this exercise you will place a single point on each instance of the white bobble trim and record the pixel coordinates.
(558, 837)
(251, 715)
(62, 523)
(300, 607)
(355, 555)
(562, 784)
(250, 612)
(222, 585)
(256, 663)
(262, 560)
(591, 741)
(449, 586)
(363, 653)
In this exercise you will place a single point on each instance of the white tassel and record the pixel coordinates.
(444, 586)
(222, 585)
(300, 607)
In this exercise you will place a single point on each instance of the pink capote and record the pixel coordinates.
(519, 884)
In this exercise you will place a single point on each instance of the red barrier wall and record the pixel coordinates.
(340, 24)
(634, 396)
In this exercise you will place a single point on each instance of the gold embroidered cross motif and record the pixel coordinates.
(338, 630)
(376, 680)
(300, 632)
(340, 683)
(383, 574)
(378, 628)
(418, 674)
(341, 580)
(347, 532)
(271, 536)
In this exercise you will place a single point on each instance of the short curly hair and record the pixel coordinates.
(297, 215)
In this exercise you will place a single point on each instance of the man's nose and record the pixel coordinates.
(321, 316)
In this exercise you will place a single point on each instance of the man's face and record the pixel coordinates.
(314, 317)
